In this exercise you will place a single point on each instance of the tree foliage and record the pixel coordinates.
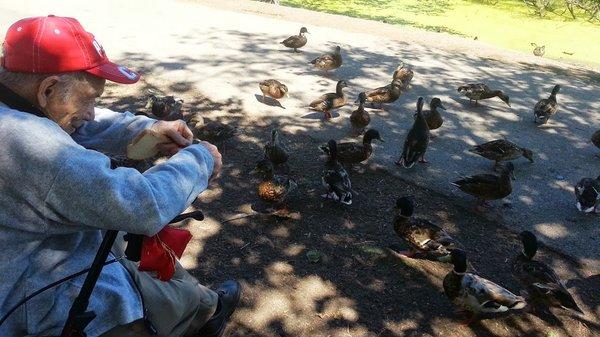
(589, 8)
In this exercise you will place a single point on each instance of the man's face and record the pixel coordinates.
(72, 112)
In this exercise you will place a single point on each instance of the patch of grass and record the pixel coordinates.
(508, 23)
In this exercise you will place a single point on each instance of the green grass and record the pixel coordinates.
(508, 24)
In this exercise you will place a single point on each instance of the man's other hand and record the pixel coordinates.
(177, 132)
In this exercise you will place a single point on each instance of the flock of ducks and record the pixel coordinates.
(474, 294)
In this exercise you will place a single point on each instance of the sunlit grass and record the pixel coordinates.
(507, 24)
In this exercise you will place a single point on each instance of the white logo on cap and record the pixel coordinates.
(98, 47)
(128, 73)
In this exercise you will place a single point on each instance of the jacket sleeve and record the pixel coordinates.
(87, 192)
(110, 132)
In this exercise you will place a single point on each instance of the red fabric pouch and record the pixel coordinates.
(161, 251)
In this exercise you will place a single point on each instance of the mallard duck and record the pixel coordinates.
(165, 108)
(488, 186)
(596, 139)
(335, 178)
(479, 91)
(587, 192)
(546, 107)
(386, 94)
(542, 284)
(273, 88)
(475, 294)
(353, 152)
(538, 50)
(501, 150)
(423, 236)
(211, 131)
(433, 117)
(274, 151)
(329, 61)
(332, 100)
(296, 41)
(273, 188)
(360, 119)
(416, 141)
(404, 74)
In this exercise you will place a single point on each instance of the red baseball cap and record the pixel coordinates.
(54, 44)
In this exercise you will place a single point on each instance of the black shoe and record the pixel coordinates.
(229, 296)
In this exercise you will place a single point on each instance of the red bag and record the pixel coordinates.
(161, 251)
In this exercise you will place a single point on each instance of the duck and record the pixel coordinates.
(332, 100)
(544, 288)
(479, 91)
(329, 61)
(273, 188)
(538, 50)
(404, 74)
(547, 107)
(273, 88)
(335, 178)
(501, 150)
(417, 140)
(360, 119)
(424, 237)
(296, 41)
(164, 108)
(474, 294)
(386, 94)
(275, 151)
(353, 152)
(488, 186)
(587, 192)
(596, 139)
(433, 117)
(211, 131)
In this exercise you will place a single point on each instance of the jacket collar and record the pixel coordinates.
(16, 102)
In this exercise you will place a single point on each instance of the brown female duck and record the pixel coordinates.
(274, 151)
(386, 94)
(273, 88)
(332, 100)
(354, 153)
(296, 41)
(273, 188)
(479, 91)
(546, 107)
(543, 286)
(501, 150)
(360, 119)
(404, 74)
(417, 140)
(488, 186)
(433, 117)
(424, 237)
(165, 108)
(329, 61)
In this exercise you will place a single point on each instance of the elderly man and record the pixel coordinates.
(59, 193)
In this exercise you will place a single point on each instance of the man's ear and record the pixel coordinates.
(46, 89)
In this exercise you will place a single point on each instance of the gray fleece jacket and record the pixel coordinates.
(57, 194)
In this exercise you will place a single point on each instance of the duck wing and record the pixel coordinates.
(324, 103)
(489, 296)
(352, 152)
(337, 181)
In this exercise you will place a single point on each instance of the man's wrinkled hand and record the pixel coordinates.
(177, 133)
(218, 159)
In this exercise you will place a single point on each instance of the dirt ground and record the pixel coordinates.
(359, 287)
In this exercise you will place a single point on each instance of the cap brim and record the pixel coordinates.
(115, 73)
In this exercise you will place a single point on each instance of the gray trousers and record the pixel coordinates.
(179, 307)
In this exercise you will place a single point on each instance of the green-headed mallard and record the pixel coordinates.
(332, 100)
(274, 151)
(475, 294)
(488, 186)
(417, 140)
(296, 41)
(353, 152)
(587, 192)
(404, 74)
(433, 117)
(386, 94)
(538, 50)
(211, 131)
(165, 108)
(424, 237)
(329, 61)
(543, 286)
(360, 119)
(273, 188)
(546, 107)
(335, 178)
(273, 88)
(501, 150)
(479, 91)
